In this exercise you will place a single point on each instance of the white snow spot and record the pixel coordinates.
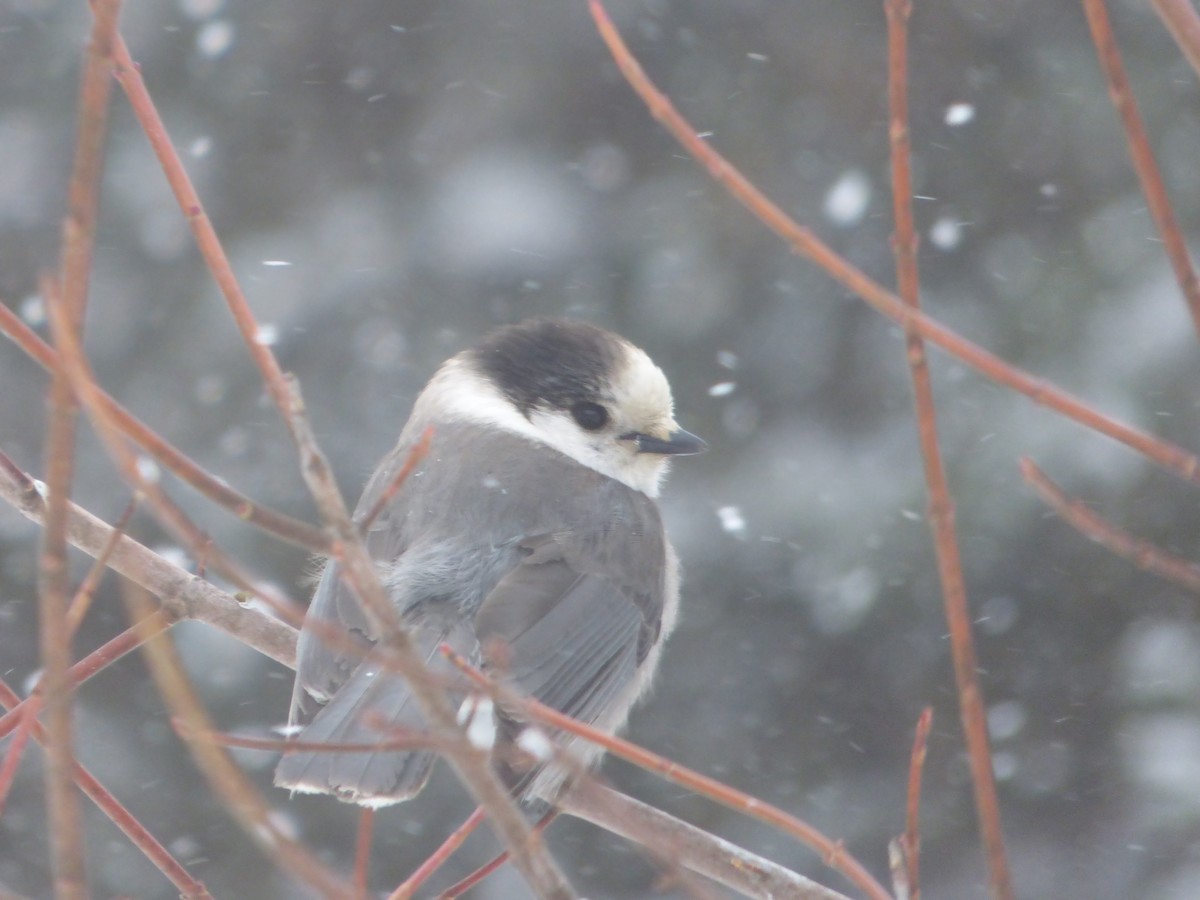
(478, 714)
(148, 470)
(840, 607)
(732, 520)
(32, 310)
(722, 389)
(288, 730)
(200, 147)
(209, 390)
(267, 335)
(998, 614)
(215, 38)
(945, 234)
(29, 685)
(1006, 720)
(848, 199)
(1049, 189)
(276, 263)
(727, 359)
(173, 554)
(959, 114)
(534, 742)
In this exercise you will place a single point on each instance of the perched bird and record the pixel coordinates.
(530, 525)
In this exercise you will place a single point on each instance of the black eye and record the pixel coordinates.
(589, 416)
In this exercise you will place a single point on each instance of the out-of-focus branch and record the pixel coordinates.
(1142, 156)
(1183, 22)
(189, 887)
(239, 796)
(67, 854)
(833, 853)
(689, 846)
(911, 841)
(1170, 456)
(1141, 553)
(167, 455)
(183, 595)
(941, 502)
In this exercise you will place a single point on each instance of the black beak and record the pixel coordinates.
(678, 443)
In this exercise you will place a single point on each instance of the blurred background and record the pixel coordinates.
(393, 178)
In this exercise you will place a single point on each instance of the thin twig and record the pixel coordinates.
(941, 502)
(87, 588)
(833, 853)
(418, 452)
(183, 595)
(359, 571)
(150, 847)
(910, 842)
(74, 366)
(1183, 22)
(282, 526)
(1169, 456)
(239, 796)
(437, 859)
(67, 851)
(700, 851)
(1141, 553)
(124, 643)
(362, 852)
(1153, 189)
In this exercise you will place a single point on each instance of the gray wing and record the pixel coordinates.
(567, 632)
(322, 667)
(345, 697)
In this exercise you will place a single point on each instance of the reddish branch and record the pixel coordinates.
(941, 503)
(167, 455)
(1142, 156)
(1141, 553)
(67, 854)
(189, 887)
(833, 853)
(911, 841)
(1183, 22)
(238, 794)
(1171, 457)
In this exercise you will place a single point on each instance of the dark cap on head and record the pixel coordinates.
(550, 363)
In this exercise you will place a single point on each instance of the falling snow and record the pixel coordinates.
(732, 520)
(945, 233)
(215, 39)
(959, 114)
(848, 199)
(267, 335)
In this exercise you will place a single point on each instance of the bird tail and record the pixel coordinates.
(369, 709)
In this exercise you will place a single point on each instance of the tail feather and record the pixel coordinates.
(367, 709)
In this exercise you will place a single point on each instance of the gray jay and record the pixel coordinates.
(530, 525)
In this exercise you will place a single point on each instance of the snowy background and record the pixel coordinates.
(392, 179)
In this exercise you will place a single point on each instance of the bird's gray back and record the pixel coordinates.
(456, 525)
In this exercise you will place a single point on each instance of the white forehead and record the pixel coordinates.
(638, 394)
(640, 389)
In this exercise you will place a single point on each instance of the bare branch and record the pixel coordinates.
(698, 850)
(183, 595)
(1142, 156)
(1143, 554)
(1169, 456)
(282, 526)
(941, 503)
